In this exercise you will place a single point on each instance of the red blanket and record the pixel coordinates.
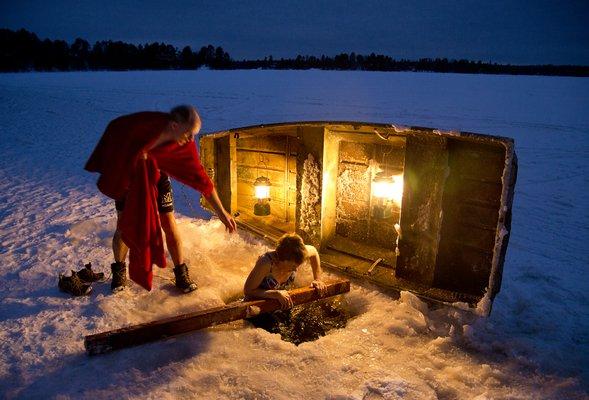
(128, 169)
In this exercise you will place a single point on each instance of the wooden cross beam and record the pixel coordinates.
(156, 330)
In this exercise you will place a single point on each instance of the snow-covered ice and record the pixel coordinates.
(52, 219)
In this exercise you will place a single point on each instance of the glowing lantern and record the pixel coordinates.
(262, 193)
(386, 189)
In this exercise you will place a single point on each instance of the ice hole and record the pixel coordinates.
(308, 322)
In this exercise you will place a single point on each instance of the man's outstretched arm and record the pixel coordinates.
(224, 216)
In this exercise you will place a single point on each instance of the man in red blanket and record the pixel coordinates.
(135, 157)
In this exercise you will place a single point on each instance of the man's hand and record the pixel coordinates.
(319, 286)
(228, 221)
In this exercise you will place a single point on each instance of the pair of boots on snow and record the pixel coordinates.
(79, 283)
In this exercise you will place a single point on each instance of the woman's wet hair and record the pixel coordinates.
(291, 248)
(184, 114)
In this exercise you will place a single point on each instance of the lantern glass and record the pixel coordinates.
(387, 187)
(262, 188)
(262, 191)
(383, 190)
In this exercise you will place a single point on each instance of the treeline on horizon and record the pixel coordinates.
(22, 51)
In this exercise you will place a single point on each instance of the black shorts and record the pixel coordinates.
(165, 198)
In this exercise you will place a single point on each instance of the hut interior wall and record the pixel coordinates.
(329, 189)
(355, 157)
(471, 201)
(207, 157)
(272, 156)
(358, 163)
(426, 165)
(310, 223)
(223, 168)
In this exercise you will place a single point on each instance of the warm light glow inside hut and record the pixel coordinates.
(345, 186)
(262, 193)
(262, 188)
(388, 187)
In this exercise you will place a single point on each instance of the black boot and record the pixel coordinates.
(73, 285)
(87, 275)
(183, 281)
(119, 276)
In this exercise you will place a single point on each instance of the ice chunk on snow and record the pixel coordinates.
(484, 305)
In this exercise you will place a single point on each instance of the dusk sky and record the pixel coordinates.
(518, 32)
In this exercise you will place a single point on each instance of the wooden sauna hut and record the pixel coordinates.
(406, 208)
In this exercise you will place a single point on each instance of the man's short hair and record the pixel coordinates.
(185, 114)
(291, 248)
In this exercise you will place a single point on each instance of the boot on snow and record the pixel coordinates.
(73, 285)
(119, 276)
(183, 281)
(87, 275)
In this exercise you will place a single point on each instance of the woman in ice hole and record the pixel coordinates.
(274, 272)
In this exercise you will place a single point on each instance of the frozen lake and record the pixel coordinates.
(53, 219)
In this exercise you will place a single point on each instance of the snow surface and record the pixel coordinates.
(52, 219)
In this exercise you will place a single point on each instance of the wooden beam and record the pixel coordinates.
(156, 330)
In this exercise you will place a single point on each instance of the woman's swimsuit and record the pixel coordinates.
(269, 282)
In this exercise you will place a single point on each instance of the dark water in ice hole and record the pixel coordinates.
(306, 322)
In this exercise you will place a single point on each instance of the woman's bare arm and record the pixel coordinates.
(315, 262)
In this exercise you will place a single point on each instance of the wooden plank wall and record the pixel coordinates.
(426, 166)
(470, 206)
(223, 170)
(354, 218)
(273, 156)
